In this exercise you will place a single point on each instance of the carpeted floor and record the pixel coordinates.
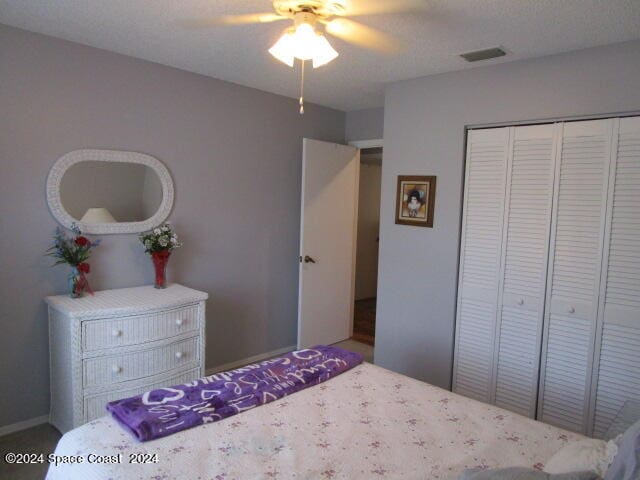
(40, 439)
(364, 321)
(362, 348)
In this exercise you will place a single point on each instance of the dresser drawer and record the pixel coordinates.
(113, 369)
(95, 405)
(122, 331)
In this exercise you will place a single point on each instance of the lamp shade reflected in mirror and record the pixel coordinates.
(98, 215)
(110, 192)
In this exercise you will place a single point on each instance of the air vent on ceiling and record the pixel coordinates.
(485, 54)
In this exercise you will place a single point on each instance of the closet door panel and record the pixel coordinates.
(526, 238)
(567, 371)
(516, 381)
(618, 373)
(582, 173)
(480, 262)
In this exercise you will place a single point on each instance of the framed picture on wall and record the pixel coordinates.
(415, 200)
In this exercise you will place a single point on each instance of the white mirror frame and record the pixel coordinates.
(65, 162)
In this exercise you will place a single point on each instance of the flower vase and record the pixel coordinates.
(160, 260)
(75, 283)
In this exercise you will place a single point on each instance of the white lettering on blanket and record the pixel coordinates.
(169, 412)
(299, 374)
(229, 374)
(209, 394)
(306, 354)
(178, 394)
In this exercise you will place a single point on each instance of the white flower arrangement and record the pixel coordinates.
(161, 238)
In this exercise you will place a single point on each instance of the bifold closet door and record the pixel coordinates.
(582, 174)
(527, 219)
(480, 256)
(617, 376)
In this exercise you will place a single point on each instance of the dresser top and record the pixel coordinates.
(125, 301)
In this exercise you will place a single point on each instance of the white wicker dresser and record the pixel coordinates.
(119, 343)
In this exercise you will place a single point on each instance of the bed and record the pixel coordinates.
(366, 423)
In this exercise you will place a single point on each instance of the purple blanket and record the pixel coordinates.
(161, 412)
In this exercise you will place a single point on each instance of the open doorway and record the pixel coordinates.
(368, 238)
(338, 256)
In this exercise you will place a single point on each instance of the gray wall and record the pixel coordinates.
(364, 124)
(234, 154)
(424, 129)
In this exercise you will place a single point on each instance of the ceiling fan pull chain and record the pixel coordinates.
(302, 89)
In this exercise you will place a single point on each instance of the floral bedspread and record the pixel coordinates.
(364, 424)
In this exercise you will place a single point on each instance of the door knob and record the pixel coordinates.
(308, 259)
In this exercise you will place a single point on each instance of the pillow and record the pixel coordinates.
(517, 473)
(626, 464)
(589, 454)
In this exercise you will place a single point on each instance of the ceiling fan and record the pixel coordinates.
(304, 40)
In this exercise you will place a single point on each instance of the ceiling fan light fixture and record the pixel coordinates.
(304, 43)
(284, 49)
(324, 51)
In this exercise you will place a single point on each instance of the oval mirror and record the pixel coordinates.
(109, 191)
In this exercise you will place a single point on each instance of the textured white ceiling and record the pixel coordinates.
(154, 30)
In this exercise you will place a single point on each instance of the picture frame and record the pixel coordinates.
(415, 200)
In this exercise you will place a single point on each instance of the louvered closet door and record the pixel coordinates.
(526, 240)
(480, 262)
(574, 274)
(617, 377)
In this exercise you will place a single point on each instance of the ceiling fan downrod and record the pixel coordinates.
(302, 88)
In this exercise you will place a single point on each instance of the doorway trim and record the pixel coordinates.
(375, 143)
(360, 144)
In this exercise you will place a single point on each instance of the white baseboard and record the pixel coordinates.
(247, 361)
(23, 425)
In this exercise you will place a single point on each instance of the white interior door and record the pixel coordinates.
(327, 242)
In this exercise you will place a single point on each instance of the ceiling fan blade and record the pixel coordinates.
(363, 36)
(234, 20)
(354, 8)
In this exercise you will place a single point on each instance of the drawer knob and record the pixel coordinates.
(179, 322)
(116, 333)
(116, 369)
(572, 310)
(179, 354)
(521, 301)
